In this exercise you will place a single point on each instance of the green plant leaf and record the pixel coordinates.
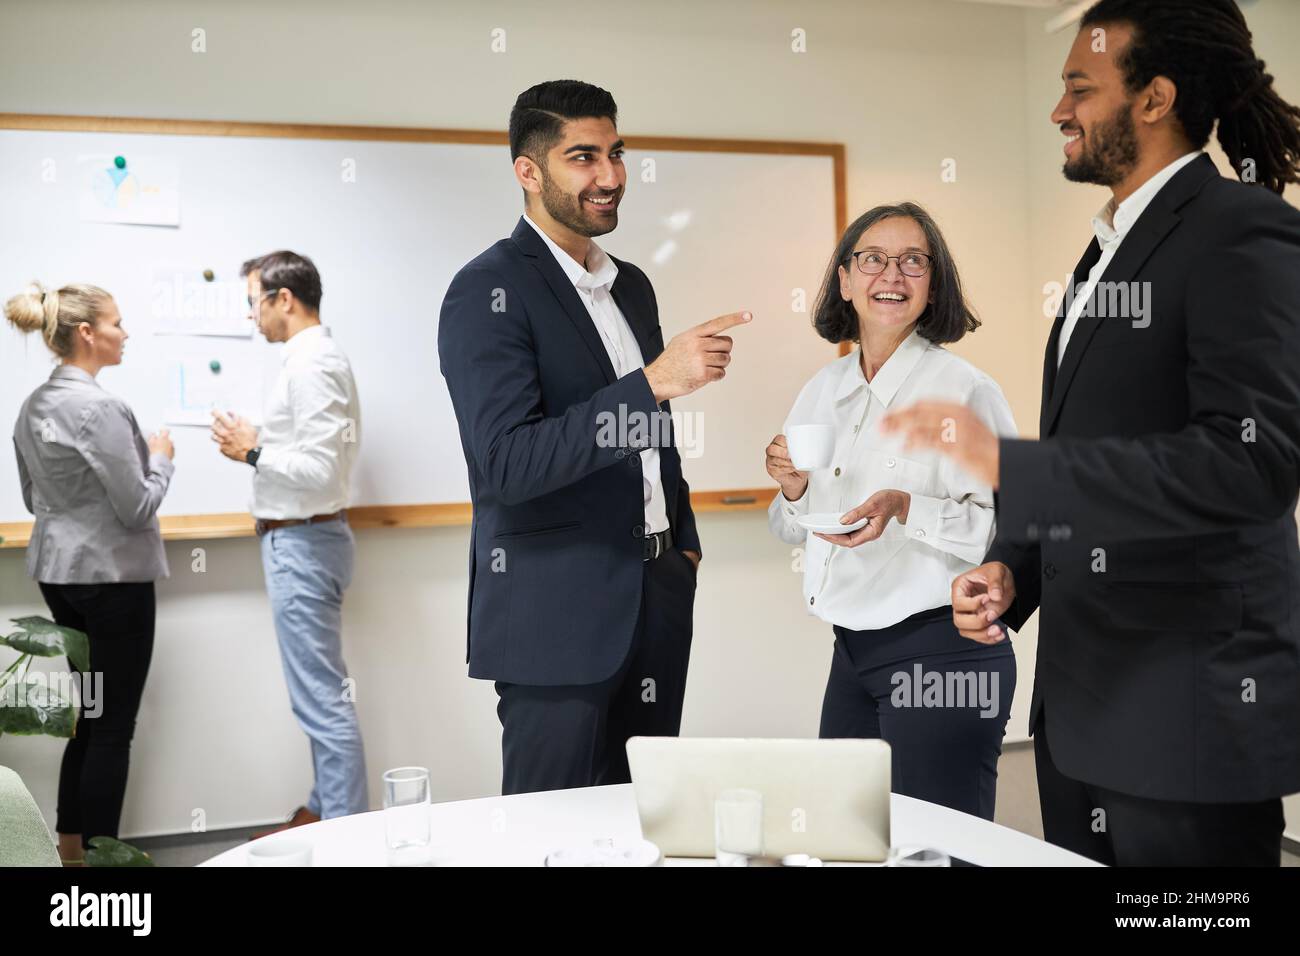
(30, 706)
(43, 638)
(106, 851)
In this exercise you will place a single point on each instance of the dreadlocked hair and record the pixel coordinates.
(1204, 47)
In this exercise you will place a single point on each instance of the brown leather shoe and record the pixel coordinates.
(301, 817)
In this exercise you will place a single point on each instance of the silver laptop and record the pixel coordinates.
(826, 798)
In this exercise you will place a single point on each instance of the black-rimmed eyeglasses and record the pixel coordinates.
(872, 262)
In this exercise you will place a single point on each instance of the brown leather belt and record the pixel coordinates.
(263, 525)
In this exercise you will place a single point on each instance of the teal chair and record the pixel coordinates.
(24, 838)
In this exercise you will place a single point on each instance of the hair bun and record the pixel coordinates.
(26, 311)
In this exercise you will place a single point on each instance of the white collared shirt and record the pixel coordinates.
(1111, 225)
(311, 433)
(593, 282)
(909, 568)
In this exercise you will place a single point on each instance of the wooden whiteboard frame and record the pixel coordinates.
(240, 525)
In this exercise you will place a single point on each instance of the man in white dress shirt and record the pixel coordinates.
(301, 459)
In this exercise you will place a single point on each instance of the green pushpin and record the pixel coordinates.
(215, 366)
(120, 162)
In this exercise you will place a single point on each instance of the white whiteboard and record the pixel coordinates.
(714, 231)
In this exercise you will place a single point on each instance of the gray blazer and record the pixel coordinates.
(89, 479)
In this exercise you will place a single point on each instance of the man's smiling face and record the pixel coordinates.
(583, 177)
(1096, 113)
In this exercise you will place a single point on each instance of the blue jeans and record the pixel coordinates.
(308, 567)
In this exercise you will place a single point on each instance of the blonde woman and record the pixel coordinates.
(899, 671)
(94, 484)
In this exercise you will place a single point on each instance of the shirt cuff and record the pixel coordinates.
(923, 518)
(641, 390)
(631, 397)
(268, 458)
(792, 509)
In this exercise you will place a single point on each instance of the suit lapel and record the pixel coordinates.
(641, 320)
(638, 317)
(537, 252)
(1156, 222)
(1079, 275)
(1147, 233)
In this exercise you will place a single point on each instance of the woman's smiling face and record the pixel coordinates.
(888, 299)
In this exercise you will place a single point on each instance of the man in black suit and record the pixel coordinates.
(583, 550)
(1153, 522)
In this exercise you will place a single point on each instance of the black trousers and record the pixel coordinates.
(940, 701)
(119, 622)
(1119, 829)
(555, 738)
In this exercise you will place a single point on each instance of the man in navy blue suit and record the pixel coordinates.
(583, 550)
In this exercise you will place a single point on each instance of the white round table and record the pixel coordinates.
(521, 830)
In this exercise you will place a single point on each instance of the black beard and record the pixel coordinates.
(568, 210)
(1109, 153)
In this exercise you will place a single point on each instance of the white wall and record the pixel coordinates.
(215, 732)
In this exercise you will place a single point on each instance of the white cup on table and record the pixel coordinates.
(279, 851)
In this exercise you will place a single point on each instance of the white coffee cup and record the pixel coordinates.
(279, 852)
(811, 446)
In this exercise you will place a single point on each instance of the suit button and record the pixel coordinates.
(812, 600)
(1049, 571)
(837, 472)
(634, 460)
(638, 531)
(890, 462)
(1031, 532)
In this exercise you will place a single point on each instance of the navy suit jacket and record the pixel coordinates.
(1154, 523)
(555, 565)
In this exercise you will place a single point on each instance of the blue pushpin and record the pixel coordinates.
(215, 366)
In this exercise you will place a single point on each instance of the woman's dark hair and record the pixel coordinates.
(540, 112)
(1204, 48)
(287, 270)
(946, 319)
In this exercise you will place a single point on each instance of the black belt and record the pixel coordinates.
(657, 544)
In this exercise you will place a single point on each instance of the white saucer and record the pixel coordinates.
(829, 523)
(607, 853)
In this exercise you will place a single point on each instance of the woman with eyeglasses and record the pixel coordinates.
(899, 669)
(94, 483)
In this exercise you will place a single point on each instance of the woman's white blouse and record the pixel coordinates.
(949, 528)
